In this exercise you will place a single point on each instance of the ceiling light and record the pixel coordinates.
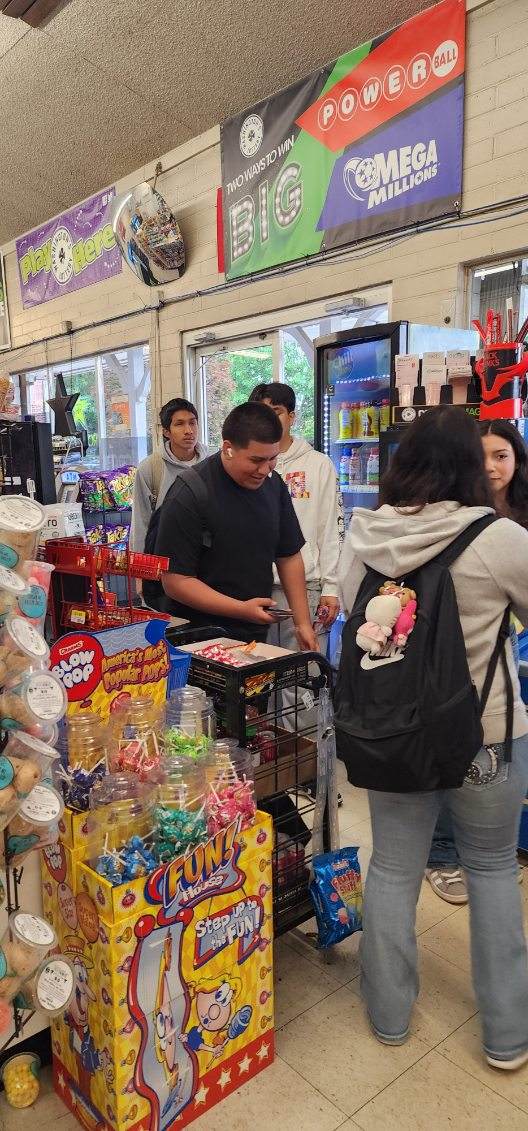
(493, 270)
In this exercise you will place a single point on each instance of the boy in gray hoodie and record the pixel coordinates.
(154, 476)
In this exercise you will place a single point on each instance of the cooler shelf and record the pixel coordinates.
(358, 440)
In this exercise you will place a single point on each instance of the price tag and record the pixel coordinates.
(308, 700)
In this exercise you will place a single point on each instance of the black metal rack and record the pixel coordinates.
(269, 698)
(21, 1018)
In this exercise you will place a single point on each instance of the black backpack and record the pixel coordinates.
(415, 724)
(153, 592)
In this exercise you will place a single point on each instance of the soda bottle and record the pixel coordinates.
(345, 429)
(384, 415)
(354, 470)
(373, 469)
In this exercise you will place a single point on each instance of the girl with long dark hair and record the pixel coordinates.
(506, 462)
(435, 489)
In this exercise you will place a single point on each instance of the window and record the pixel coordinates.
(223, 374)
(493, 285)
(113, 406)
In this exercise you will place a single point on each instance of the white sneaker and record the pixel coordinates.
(509, 1065)
(448, 883)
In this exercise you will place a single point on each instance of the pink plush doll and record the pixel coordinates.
(405, 623)
(407, 617)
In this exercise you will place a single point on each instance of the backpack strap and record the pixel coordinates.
(200, 494)
(447, 557)
(156, 466)
(499, 652)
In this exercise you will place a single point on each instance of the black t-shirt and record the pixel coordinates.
(250, 530)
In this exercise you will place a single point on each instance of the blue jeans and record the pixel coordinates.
(485, 821)
(443, 852)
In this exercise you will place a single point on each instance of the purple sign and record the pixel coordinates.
(403, 173)
(71, 252)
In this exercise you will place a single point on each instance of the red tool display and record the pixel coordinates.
(81, 591)
(501, 370)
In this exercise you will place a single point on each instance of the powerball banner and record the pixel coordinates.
(371, 143)
(71, 252)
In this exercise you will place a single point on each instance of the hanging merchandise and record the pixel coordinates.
(336, 878)
(21, 520)
(51, 989)
(36, 824)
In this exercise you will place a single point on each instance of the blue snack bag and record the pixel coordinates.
(337, 895)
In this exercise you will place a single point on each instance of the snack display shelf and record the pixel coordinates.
(74, 556)
(78, 614)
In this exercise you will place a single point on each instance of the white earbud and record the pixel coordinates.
(230, 453)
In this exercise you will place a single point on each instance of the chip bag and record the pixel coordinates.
(120, 483)
(337, 895)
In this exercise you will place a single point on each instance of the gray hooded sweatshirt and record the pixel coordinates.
(144, 499)
(489, 575)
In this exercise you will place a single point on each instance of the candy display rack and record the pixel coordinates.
(81, 596)
(250, 707)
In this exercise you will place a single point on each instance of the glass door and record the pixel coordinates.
(224, 376)
(356, 405)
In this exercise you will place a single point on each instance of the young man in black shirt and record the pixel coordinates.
(221, 562)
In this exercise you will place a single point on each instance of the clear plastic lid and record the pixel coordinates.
(32, 930)
(54, 985)
(21, 636)
(120, 787)
(11, 582)
(21, 744)
(42, 807)
(182, 694)
(18, 513)
(45, 696)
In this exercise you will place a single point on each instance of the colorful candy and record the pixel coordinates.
(226, 802)
(178, 830)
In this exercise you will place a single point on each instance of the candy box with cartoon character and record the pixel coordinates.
(173, 1007)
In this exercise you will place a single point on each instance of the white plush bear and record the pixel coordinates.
(382, 613)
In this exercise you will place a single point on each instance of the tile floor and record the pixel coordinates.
(330, 1072)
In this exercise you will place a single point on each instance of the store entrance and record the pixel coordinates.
(223, 370)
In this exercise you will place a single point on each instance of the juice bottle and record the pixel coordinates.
(343, 468)
(365, 421)
(384, 421)
(354, 421)
(354, 470)
(374, 415)
(345, 428)
(373, 469)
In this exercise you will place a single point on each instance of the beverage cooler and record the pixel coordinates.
(355, 393)
(354, 381)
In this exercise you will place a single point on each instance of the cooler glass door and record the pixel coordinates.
(354, 370)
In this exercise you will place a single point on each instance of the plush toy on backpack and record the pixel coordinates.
(382, 614)
(406, 619)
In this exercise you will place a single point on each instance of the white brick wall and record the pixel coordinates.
(427, 271)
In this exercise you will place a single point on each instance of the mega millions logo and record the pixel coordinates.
(381, 177)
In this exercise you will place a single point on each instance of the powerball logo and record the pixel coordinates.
(383, 176)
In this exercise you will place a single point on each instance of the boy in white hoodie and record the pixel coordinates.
(312, 483)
